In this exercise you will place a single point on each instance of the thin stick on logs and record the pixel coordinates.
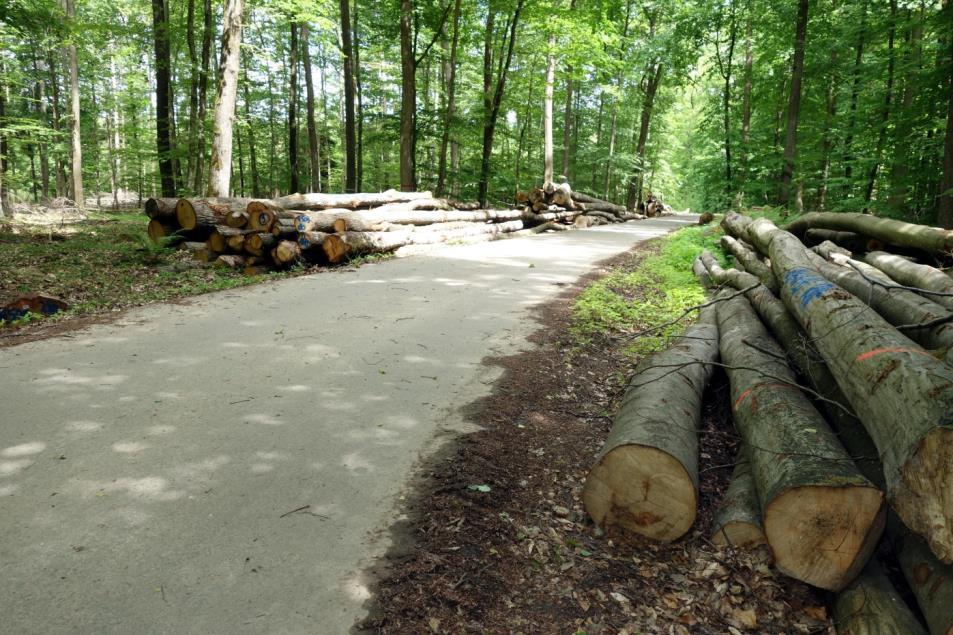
(887, 378)
(646, 477)
(930, 281)
(737, 521)
(887, 230)
(871, 606)
(822, 518)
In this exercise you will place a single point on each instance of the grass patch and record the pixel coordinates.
(647, 292)
(103, 264)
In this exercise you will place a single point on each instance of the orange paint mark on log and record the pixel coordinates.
(889, 349)
(748, 392)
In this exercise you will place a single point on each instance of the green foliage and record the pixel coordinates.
(647, 292)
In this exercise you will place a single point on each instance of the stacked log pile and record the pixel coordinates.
(838, 354)
(262, 234)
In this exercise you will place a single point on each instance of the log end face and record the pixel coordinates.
(739, 534)
(185, 214)
(641, 490)
(923, 495)
(824, 535)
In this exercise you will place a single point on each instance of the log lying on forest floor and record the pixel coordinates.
(887, 378)
(587, 203)
(737, 521)
(646, 477)
(886, 230)
(848, 240)
(749, 261)
(870, 605)
(822, 518)
(161, 209)
(930, 580)
(193, 213)
(911, 274)
(319, 201)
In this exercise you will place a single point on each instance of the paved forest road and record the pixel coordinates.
(145, 466)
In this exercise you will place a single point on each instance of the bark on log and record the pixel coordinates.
(750, 262)
(192, 246)
(161, 208)
(284, 228)
(903, 395)
(237, 219)
(911, 274)
(319, 221)
(369, 218)
(260, 243)
(311, 240)
(351, 201)
(646, 477)
(737, 521)
(822, 518)
(826, 248)
(930, 580)
(848, 240)
(591, 202)
(197, 212)
(870, 605)
(887, 230)
(233, 261)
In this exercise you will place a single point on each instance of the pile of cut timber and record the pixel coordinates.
(841, 380)
(262, 234)
(558, 203)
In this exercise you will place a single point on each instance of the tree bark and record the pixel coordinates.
(160, 32)
(854, 95)
(451, 80)
(548, 113)
(359, 106)
(945, 199)
(871, 606)
(75, 121)
(749, 262)
(408, 98)
(912, 274)
(746, 95)
(645, 479)
(654, 78)
(822, 518)
(350, 164)
(293, 185)
(888, 99)
(252, 155)
(794, 104)
(887, 230)
(737, 521)
(203, 96)
(314, 149)
(193, 90)
(887, 378)
(221, 162)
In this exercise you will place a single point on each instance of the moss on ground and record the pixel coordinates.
(647, 292)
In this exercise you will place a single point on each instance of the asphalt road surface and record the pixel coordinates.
(232, 463)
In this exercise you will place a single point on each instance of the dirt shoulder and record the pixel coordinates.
(497, 538)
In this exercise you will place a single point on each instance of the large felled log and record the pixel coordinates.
(750, 262)
(848, 240)
(319, 221)
(930, 580)
(161, 208)
(286, 252)
(369, 218)
(912, 274)
(822, 518)
(351, 201)
(897, 306)
(311, 240)
(887, 230)
(870, 605)
(159, 230)
(737, 521)
(646, 477)
(593, 203)
(902, 394)
(229, 262)
(262, 215)
(259, 243)
(199, 212)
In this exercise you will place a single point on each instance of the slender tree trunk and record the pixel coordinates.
(160, 32)
(293, 113)
(255, 189)
(359, 94)
(945, 199)
(193, 91)
(726, 96)
(794, 103)
(4, 204)
(203, 97)
(899, 170)
(314, 152)
(350, 141)
(408, 98)
(455, 169)
(567, 112)
(491, 103)
(55, 107)
(451, 101)
(40, 108)
(746, 97)
(77, 144)
(241, 162)
(221, 161)
(854, 94)
(548, 113)
(888, 100)
(828, 142)
(654, 78)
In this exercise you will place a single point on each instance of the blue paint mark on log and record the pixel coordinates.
(806, 285)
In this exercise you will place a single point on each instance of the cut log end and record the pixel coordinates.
(739, 534)
(334, 248)
(923, 497)
(185, 214)
(824, 535)
(643, 490)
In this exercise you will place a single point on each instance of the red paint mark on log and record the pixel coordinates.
(748, 392)
(889, 349)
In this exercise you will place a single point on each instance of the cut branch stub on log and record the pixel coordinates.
(901, 393)
(911, 274)
(870, 605)
(646, 477)
(887, 230)
(737, 521)
(822, 518)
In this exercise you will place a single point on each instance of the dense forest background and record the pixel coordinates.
(810, 104)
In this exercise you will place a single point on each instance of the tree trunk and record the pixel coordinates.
(203, 96)
(945, 199)
(645, 479)
(348, 201)
(3, 146)
(293, 112)
(359, 111)
(451, 79)
(408, 98)
(314, 151)
(725, 70)
(887, 230)
(746, 95)
(888, 99)
(749, 262)
(887, 378)
(854, 95)
(822, 518)
(794, 104)
(40, 109)
(548, 113)
(913, 275)
(350, 165)
(55, 107)
(252, 155)
(654, 78)
(930, 581)
(75, 121)
(193, 91)
(901, 155)
(737, 521)
(871, 606)
(160, 31)
(221, 161)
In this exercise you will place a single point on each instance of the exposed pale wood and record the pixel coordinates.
(161, 208)
(311, 240)
(236, 218)
(259, 243)
(822, 517)
(930, 580)
(888, 379)
(737, 521)
(232, 261)
(646, 476)
(286, 252)
(197, 212)
(316, 201)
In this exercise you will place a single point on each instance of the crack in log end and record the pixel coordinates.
(891, 366)
(806, 285)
